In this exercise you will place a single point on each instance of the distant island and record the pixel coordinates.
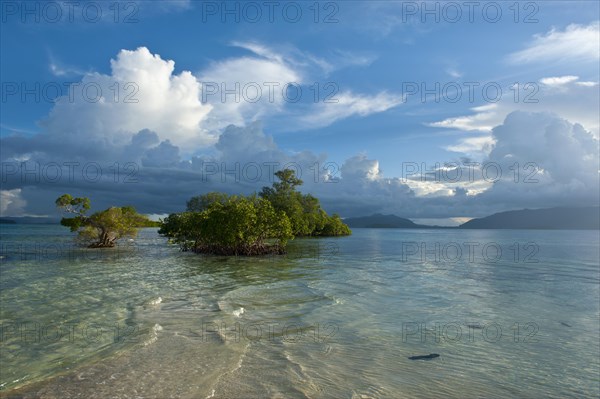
(561, 218)
(28, 220)
(379, 221)
(587, 218)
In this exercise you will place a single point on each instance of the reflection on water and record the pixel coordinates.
(511, 314)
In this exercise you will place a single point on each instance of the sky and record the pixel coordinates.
(434, 111)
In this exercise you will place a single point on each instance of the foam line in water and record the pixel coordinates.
(239, 312)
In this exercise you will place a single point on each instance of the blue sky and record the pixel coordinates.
(371, 56)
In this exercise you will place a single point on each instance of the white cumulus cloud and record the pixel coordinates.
(142, 92)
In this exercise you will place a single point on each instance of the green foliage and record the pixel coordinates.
(101, 229)
(78, 205)
(202, 202)
(236, 225)
(334, 226)
(148, 223)
(287, 181)
(172, 225)
(304, 211)
(284, 197)
(182, 228)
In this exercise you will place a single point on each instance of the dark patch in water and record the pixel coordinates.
(475, 326)
(565, 324)
(424, 357)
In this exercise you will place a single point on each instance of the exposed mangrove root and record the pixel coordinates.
(109, 244)
(238, 250)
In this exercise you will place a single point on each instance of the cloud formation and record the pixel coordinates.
(544, 160)
(247, 88)
(158, 152)
(11, 202)
(142, 92)
(563, 95)
(347, 104)
(575, 43)
(269, 82)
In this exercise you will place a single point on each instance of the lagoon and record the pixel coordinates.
(512, 313)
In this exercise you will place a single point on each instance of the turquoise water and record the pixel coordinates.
(511, 314)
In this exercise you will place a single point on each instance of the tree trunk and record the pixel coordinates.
(105, 241)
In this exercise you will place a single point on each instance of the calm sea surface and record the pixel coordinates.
(512, 313)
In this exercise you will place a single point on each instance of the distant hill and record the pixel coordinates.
(381, 221)
(551, 219)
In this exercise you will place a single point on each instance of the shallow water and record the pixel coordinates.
(511, 314)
